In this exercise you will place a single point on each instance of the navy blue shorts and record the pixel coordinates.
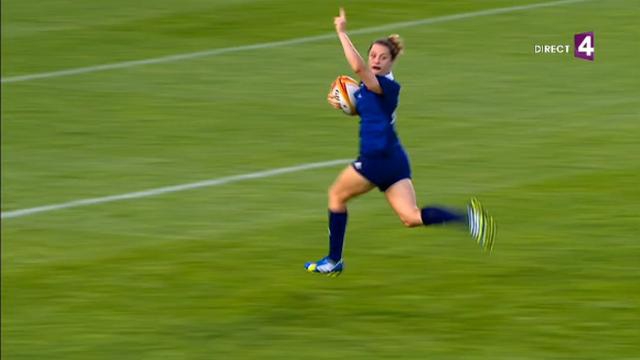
(384, 170)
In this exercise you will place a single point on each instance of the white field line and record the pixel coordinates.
(172, 189)
(295, 41)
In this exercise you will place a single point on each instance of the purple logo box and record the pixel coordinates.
(584, 46)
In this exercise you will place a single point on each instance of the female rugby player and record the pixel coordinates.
(382, 162)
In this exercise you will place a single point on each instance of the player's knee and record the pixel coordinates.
(411, 220)
(337, 198)
(333, 194)
(410, 223)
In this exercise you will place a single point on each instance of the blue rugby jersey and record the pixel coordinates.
(377, 117)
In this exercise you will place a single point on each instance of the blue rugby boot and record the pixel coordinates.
(325, 266)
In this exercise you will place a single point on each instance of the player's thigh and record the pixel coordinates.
(402, 198)
(350, 183)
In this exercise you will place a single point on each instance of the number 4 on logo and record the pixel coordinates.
(584, 46)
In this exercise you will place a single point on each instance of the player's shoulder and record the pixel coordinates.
(388, 79)
(388, 84)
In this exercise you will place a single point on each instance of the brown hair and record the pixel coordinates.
(393, 42)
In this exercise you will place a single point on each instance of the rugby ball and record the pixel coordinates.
(343, 90)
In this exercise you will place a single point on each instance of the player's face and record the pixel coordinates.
(380, 61)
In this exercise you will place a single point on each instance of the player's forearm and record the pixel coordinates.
(350, 52)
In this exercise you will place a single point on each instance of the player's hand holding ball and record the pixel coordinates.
(343, 94)
(332, 99)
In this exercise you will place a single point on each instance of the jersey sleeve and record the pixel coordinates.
(390, 88)
(390, 93)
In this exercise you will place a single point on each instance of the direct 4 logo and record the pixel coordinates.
(585, 46)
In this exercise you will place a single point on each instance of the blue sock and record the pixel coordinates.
(438, 215)
(337, 228)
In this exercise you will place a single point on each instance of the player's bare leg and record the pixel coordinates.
(347, 185)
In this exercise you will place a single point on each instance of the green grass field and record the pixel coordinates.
(550, 144)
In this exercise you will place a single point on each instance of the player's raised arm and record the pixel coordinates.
(353, 57)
